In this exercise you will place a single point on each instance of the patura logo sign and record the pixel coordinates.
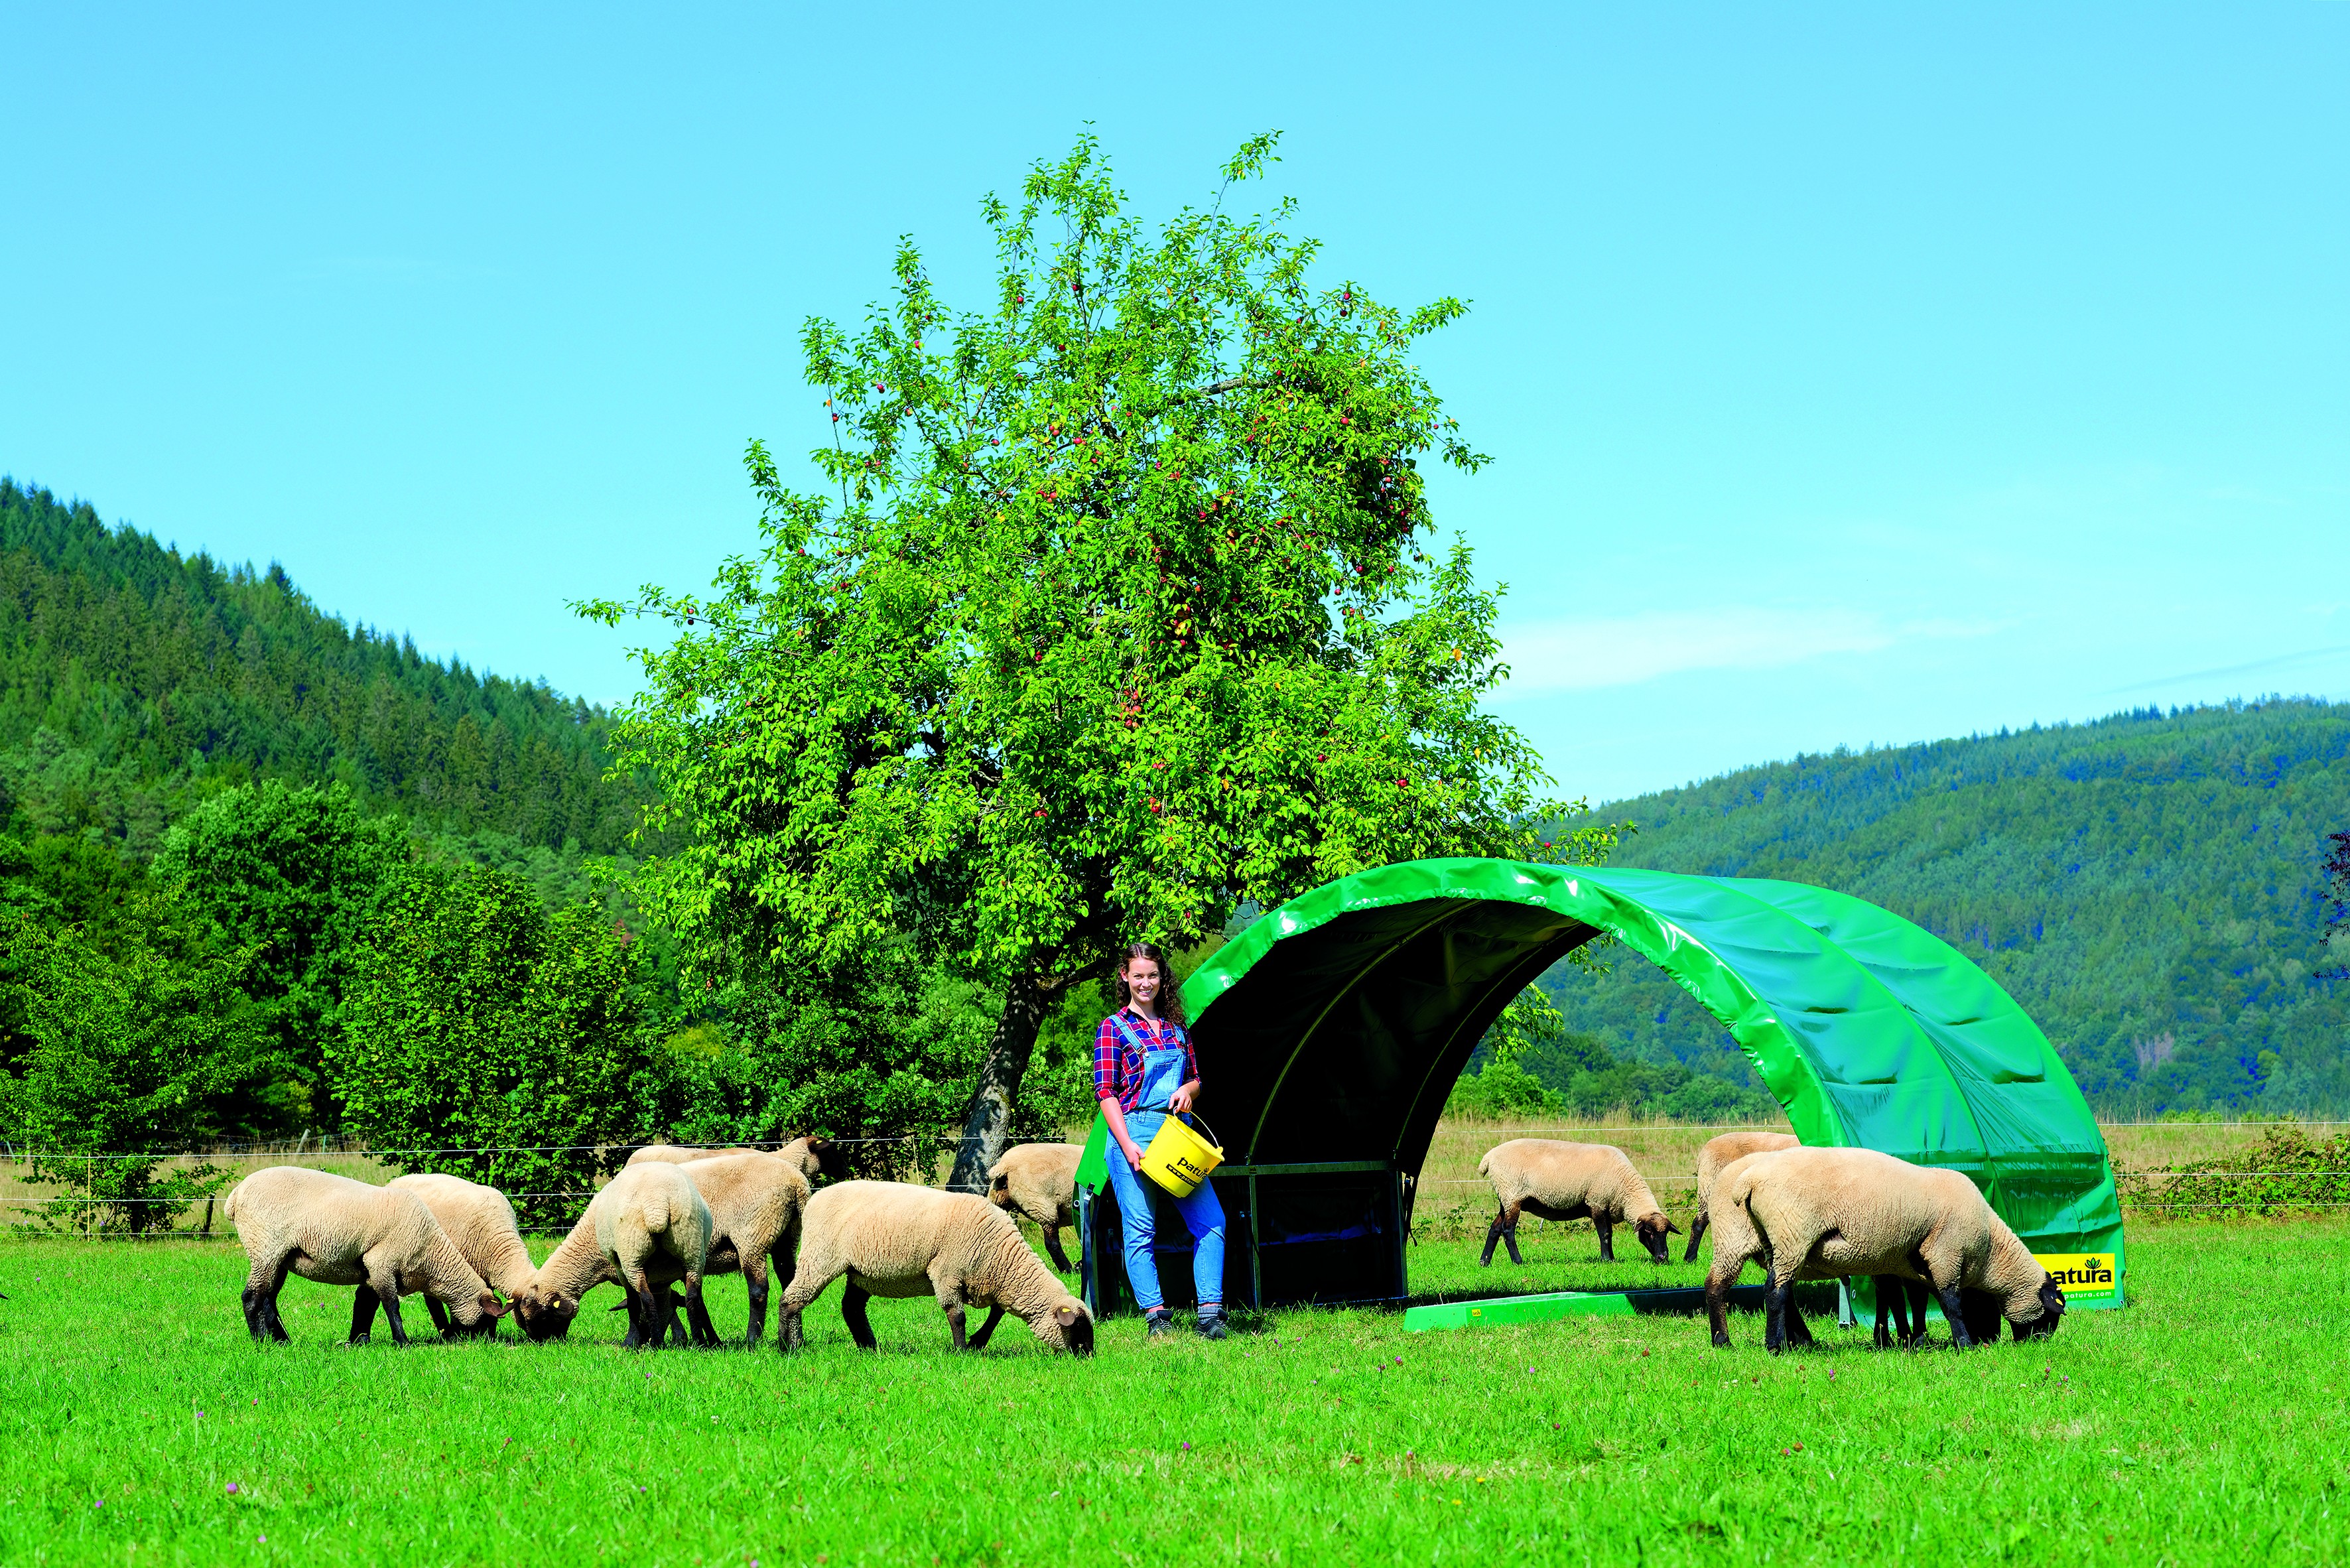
(2080, 1275)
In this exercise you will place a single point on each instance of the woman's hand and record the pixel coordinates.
(1133, 1154)
(1181, 1100)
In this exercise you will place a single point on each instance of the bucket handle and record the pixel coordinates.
(1171, 1110)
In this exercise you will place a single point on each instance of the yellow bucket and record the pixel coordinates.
(1178, 1159)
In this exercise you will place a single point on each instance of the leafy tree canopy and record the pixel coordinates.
(286, 876)
(486, 1037)
(1116, 616)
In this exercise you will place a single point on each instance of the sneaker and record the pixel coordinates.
(1159, 1323)
(1211, 1325)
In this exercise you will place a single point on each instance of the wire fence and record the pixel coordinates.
(2313, 1177)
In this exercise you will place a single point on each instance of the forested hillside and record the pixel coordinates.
(130, 675)
(2148, 886)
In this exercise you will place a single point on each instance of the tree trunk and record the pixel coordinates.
(987, 1124)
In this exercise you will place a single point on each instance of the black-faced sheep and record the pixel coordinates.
(1556, 1181)
(1039, 1181)
(1821, 1213)
(1718, 1154)
(817, 1157)
(338, 1232)
(896, 1239)
(648, 1227)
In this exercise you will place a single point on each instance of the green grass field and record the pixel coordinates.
(2204, 1424)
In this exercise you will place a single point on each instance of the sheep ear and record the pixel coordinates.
(1671, 1228)
(493, 1307)
(1064, 1316)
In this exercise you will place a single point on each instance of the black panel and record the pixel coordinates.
(1342, 1042)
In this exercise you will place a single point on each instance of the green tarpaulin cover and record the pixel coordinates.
(1334, 1027)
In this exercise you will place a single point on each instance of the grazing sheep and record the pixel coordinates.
(1719, 1153)
(755, 1203)
(338, 1232)
(896, 1239)
(482, 1224)
(1818, 1214)
(648, 1227)
(1039, 1180)
(1568, 1181)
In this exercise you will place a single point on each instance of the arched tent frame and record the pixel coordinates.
(1332, 1030)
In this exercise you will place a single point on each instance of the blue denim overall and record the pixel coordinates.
(1162, 1075)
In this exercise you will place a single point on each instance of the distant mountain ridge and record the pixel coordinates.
(2147, 885)
(129, 675)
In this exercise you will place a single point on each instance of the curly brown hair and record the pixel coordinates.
(1170, 995)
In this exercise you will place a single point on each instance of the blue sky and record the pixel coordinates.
(1855, 376)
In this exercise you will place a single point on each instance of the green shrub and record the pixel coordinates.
(487, 1038)
(2286, 1173)
(109, 1056)
(287, 875)
(1504, 1089)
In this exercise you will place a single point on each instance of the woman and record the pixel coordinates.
(1144, 1067)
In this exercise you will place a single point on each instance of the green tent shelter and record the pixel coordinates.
(1331, 1030)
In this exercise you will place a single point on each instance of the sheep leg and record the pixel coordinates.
(994, 1316)
(852, 1313)
(1504, 1229)
(261, 1284)
(1893, 1300)
(1915, 1291)
(363, 1305)
(754, 1283)
(698, 1313)
(954, 1321)
(1697, 1230)
(1954, 1313)
(1799, 1333)
(803, 1287)
(1606, 1238)
(391, 1316)
(644, 1313)
(669, 1330)
(439, 1313)
(1052, 1250)
(1775, 1307)
(276, 1324)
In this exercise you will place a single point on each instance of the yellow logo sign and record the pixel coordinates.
(2080, 1273)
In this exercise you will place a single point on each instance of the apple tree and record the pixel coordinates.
(1118, 610)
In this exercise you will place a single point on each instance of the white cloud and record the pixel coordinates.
(1582, 655)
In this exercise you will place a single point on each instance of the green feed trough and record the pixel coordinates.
(1332, 1030)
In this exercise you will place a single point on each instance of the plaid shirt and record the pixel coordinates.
(1117, 1067)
